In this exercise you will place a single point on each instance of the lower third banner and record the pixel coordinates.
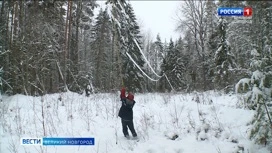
(67, 141)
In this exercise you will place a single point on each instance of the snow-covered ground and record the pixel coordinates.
(204, 123)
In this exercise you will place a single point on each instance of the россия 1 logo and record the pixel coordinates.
(235, 11)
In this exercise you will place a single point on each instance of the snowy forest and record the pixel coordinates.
(52, 46)
(64, 46)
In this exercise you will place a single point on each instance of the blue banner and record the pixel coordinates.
(230, 11)
(67, 141)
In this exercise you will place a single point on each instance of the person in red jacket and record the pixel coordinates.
(126, 113)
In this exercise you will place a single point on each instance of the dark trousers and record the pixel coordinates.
(130, 125)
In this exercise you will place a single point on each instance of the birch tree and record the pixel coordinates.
(194, 13)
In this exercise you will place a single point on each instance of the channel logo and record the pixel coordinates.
(31, 141)
(238, 11)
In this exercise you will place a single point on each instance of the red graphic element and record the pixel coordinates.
(247, 11)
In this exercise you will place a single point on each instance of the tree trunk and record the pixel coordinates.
(66, 45)
(112, 60)
(76, 51)
(69, 36)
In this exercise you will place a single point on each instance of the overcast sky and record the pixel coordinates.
(158, 17)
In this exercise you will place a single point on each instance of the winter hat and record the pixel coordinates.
(130, 96)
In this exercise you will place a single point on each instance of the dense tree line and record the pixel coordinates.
(214, 53)
(51, 46)
(222, 53)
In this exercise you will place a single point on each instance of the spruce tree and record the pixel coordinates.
(223, 57)
(133, 78)
(167, 67)
(158, 49)
(190, 58)
(262, 75)
(173, 67)
(180, 66)
(155, 58)
(33, 43)
(128, 34)
(85, 21)
(101, 46)
(259, 86)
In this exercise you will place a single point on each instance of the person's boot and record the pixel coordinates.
(127, 136)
